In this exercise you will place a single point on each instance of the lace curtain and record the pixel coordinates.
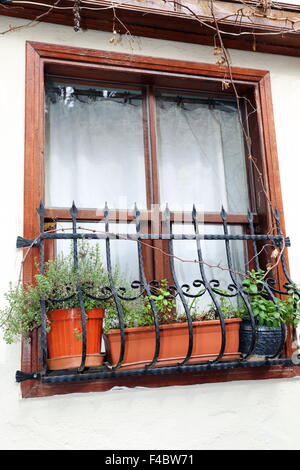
(201, 157)
(95, 153)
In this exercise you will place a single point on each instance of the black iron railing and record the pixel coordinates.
(181, 292)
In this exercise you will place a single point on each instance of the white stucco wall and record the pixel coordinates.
(236, 415)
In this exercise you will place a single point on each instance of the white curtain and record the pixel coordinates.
(202, 161)
(215, 261)
(201, 157)
(94, 153)
(124, 253)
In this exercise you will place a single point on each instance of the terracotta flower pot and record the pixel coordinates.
(140, 343)
(64, 341)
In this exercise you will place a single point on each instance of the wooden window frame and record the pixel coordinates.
(91, 63)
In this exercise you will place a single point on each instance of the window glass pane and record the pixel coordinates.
(214, 259)
(200, 154)
(94, 147)
(124, 255)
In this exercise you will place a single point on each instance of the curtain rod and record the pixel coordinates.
(126, 96)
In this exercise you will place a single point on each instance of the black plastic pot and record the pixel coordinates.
(268, 339)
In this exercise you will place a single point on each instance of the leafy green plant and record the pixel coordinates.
(139, 312)
(60, 281)
(78, 334)
(132, 313)
(265, 311)
(164, 302)
(227, 307)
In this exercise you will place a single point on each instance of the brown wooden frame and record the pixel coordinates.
(90, 62)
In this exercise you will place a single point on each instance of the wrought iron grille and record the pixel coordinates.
(181, 292)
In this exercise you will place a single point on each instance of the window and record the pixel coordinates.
(165, 113)
(96, 132)
(96, 150)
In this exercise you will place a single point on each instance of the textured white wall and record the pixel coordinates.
(236, 415)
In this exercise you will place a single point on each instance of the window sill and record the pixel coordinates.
(33, 388)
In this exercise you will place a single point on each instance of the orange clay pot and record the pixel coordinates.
(64, 346)
(140, 343)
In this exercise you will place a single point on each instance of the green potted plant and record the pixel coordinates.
(64, 328)
(174, 339)
(268, 316)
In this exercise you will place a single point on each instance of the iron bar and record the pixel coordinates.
(26, 242)
(160, 236)
(147, 290)
(192, 368)
(238, 285)
(289, 284)
(179, 289)
(209, 289)
(283, 261)
(267, 288)
(73, 212)
(44, 343)
(113, 290)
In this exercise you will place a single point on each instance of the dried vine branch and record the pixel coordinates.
(262, 10)
(275, 254)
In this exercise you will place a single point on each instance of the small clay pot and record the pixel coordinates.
(64, 342)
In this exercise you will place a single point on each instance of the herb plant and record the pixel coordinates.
(139, 312)
(60, 281)
(265, 311)
(164, 302)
